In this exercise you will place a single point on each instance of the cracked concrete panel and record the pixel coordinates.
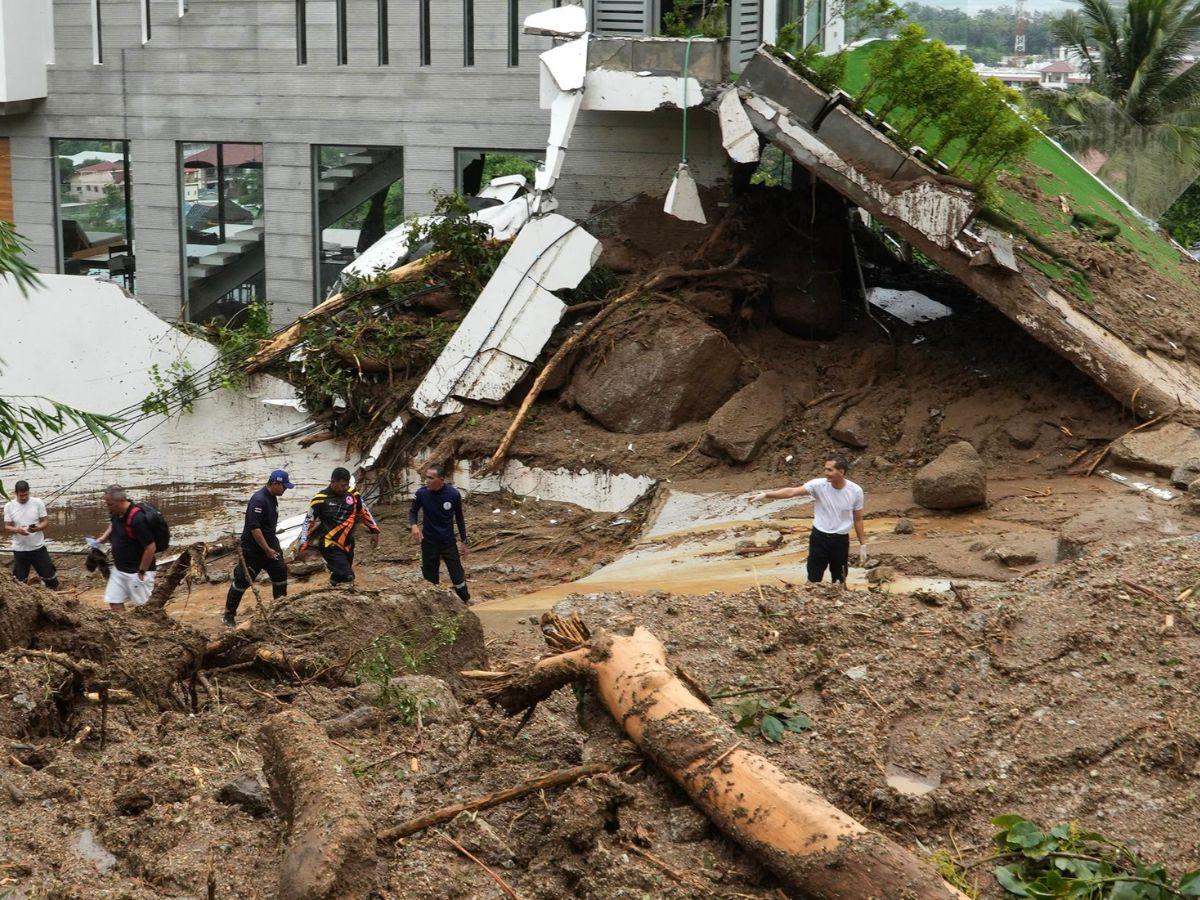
(606, 90)
(566, 64)
(601, 491)
(509, 324)
(738, 136)
(1000, 246)
(910, 307)
(562, 21)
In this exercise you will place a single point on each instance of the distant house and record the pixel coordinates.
(1062, 74)
(89, 182)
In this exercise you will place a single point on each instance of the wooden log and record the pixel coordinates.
(814, 848)
(533, 785)
(330, 850)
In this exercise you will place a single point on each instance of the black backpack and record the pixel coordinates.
(154, 519)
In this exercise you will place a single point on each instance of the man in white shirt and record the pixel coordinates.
(25, 519)
(837, 505)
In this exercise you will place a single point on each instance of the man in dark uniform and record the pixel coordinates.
(442, 505)
(332, 517)
(260, 545)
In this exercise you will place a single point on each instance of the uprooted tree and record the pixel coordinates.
(813, 847)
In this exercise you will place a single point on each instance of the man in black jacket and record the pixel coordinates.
(441, 504)
(259, 545)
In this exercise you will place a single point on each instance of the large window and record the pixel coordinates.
(359, 199)
(95, 227)
(475, 167)
(222, 222)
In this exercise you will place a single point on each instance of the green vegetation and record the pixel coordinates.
(376, 665)
(1070, 863)
(696, 18)
(1056, 174)
(986, 33)
(1183, 218)
(177, 384)
(498, 165)
(769, 718)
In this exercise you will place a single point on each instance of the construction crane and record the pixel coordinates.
(1019, 40)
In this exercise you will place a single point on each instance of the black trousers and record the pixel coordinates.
(256, 561)
(432, 554)
(828, 550)
(40, 560)
(340, 563)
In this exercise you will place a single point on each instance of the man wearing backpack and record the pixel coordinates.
(136, 530)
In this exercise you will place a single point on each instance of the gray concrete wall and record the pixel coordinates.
(227, 72)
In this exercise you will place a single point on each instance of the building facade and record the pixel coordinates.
(257, 142)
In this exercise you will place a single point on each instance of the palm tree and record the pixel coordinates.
(1142, 108)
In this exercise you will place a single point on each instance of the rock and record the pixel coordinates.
(739, 428)
(357, 718)
(1183, 476)
(686, 824)
(247, 792)
(673, 368)
(438, 704)
(810, 308)
(1011, 556)
(133, 801)
(480, 838)
(1022, 434)
(854, 428)
(880, 574)
(717, 304)
(903, 526)
(1161, 451)
(955, 480)
(621, 256)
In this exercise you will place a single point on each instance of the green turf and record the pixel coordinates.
(1059, 174)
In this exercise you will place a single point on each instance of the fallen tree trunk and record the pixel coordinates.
(817, 850)
(290, 337)
(189, 564)
(331, 845)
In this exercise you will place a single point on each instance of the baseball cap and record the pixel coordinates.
(282, 477)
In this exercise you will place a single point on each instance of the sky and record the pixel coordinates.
(969, 6)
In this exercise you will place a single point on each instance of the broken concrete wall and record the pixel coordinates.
(932, 212)
(88, 344)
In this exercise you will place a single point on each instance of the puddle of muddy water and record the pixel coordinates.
(86, 848)
(690, 547)
(910, 783)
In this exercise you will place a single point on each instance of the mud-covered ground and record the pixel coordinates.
(1064, 695)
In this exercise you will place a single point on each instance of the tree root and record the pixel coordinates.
(817, 850)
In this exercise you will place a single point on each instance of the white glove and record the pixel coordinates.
(862, 554)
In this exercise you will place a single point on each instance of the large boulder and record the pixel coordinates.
(739, 428)
(854, 428)
(655, 371)
(955, 480)
(1161, 451)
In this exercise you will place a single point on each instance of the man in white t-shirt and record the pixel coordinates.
(837, 505)
(25, 519)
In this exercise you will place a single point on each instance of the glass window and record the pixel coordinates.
(814, 22)
(360, 198)
(95, 221)
(222, 221)
(475, 167)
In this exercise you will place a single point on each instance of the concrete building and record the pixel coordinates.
(252, 127)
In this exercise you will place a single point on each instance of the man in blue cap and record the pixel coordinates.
(260, 545)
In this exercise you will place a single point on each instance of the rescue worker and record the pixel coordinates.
(837, 507)
(332, 517)
(260, 545)
(442, 506)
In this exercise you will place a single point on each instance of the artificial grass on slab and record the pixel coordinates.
(1055, 173)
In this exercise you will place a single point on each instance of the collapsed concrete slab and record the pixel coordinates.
(932, 212)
